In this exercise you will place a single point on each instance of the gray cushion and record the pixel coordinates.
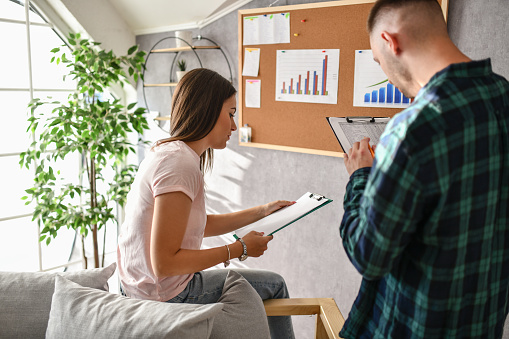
(25, 298)
(81, 312)
(243, 315)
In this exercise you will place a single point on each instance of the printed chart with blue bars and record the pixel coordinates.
(371, 85)
(309, 75)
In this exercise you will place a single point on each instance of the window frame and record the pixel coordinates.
(31, 8)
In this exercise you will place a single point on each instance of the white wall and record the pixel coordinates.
(97, 19)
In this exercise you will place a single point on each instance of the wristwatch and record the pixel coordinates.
(244, 247)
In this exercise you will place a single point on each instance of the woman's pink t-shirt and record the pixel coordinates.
(170, 167)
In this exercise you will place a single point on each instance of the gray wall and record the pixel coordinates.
(309, 255)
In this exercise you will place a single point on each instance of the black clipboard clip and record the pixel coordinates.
(372, 119)
(317, 197)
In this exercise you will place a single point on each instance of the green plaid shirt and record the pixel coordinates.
(428, 225)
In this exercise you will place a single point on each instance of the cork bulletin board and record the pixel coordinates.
(297, 126)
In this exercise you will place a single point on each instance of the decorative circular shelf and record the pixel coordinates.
(162, 121)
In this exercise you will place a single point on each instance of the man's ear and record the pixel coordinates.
(391, 41)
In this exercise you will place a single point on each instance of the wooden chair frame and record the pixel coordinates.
(329, 319)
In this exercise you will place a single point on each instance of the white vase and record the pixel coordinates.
(180, 74)
(187, 36)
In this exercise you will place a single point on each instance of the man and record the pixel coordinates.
(426, 222)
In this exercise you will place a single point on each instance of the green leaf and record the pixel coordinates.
(55, 50)
(85, 125)
(132, 49)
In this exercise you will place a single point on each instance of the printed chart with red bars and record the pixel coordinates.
(307, 75)
(371, 84)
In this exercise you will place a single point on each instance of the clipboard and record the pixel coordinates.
(349, 130)
(306, 204)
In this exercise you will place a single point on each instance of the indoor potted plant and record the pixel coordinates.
(181, 64)
(92, 126)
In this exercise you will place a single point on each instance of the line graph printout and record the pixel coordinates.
(371, 85)
(307, 75)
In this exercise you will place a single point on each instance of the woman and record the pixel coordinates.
(159, 255)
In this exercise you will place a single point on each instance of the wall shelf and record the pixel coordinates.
(182, 49)
(171, 84)
(161, 120)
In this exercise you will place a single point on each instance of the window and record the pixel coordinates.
(26, 73)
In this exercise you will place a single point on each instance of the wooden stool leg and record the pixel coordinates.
(329, 319)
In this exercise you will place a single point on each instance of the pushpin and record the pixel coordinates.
(303, 20)
(295, 34)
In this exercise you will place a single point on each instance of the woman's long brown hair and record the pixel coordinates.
(195, 108)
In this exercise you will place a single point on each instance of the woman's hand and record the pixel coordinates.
(256, 243)
(271, 207)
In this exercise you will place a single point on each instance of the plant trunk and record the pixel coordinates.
(96, 247)
(85, 261)
(93, 205)
(104, 247)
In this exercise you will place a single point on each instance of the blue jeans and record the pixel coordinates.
(207, 286)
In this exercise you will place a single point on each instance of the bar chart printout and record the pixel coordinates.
(307, 75)
(371, 85)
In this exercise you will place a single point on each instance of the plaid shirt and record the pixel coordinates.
(428, 225)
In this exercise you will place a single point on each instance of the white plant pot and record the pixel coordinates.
(180, 74)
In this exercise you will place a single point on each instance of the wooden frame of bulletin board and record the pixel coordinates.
(302, 127)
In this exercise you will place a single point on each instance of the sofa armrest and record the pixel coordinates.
(329, 320)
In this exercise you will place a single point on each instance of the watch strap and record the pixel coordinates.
(244, 255)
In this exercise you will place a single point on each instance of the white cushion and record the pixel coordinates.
(82, 312)
(25, 298)
(243, 315)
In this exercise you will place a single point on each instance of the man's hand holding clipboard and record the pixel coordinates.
(357, 137)
(360, 155)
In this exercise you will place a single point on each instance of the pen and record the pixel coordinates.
(371, 150)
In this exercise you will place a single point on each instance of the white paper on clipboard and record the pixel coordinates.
(349, 130)
(278, 220)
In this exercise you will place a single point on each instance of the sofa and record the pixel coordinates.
(78, 305)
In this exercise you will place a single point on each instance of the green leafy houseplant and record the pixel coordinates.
(93, 127)
(181, 64)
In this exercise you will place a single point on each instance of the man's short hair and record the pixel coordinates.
(383, 6)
